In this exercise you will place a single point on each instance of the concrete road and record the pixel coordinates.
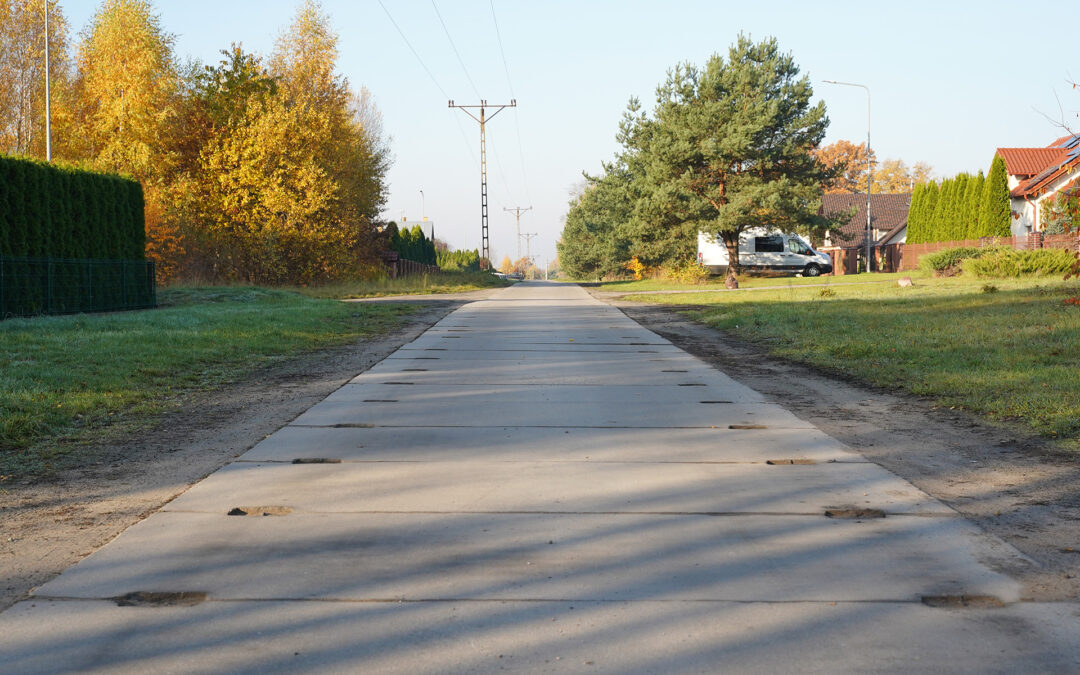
(538, 483)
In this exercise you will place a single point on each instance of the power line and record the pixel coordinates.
(409, 45)
(454, 47)
(461, 129)
(509, 83)
(498, 35)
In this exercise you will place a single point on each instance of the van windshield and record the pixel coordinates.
(796, 246)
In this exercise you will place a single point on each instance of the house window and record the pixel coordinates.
(771, 244)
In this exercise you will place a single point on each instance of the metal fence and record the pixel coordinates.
(32, 286)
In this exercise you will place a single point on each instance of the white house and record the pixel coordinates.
(1036, 174)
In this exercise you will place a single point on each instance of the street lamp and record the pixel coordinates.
(423, 212)
(869, 167)
(48, 122)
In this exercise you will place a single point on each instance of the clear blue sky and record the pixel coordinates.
(950, 82)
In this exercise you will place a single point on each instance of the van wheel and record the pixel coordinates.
(812, 270)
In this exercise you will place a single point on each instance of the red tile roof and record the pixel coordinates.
(888, 212)
(1026, 162)
(1066, 163)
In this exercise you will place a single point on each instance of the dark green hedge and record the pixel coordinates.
(51, 211)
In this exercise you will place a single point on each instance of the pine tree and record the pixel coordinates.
(994, 218)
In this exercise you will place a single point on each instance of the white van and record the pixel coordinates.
(763, 251)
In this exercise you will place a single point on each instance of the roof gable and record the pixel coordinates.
(1026, 162)
(888, 213)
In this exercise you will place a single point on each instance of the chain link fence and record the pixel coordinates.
(32, 286)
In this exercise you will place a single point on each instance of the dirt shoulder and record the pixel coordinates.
(1020, 488)
(50, 525)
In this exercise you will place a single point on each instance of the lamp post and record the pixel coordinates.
(48, 115)
(423, 211)
(869, 167)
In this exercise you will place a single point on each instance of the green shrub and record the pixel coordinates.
(946, 262)
(1009, 263)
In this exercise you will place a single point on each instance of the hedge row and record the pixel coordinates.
(465, 261)
(50, 211)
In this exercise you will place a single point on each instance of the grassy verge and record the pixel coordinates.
(745, 281)
(439, 283)
(1007, 349)
(72, 378)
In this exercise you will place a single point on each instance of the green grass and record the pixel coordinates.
(69, 379)
(1009, 350)
(747, 281)
(439, 283)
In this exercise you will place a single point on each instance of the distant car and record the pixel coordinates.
(516, 276)
(499, 275)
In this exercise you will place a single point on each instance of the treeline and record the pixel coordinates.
(727, 147)
(962, 207)
(50, 211)
(458, 261)
(263, 169)
(411, 244)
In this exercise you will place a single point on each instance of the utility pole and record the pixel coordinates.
(528, 244)
(482, 119)
(869, 165)
(517, 211)
(48, 129)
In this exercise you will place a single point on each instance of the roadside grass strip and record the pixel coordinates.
(69, 379)
(1012, 355)
(420, 284)
(747, 281)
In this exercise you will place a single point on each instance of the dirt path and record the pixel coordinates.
(1021, 488)
(49, 525)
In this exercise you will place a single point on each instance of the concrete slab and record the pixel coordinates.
(484, 486)
(505, 444)
(468, 408)
(493, 395)
(466, 637)
(509, 556)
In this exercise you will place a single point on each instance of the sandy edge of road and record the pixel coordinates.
(1014, 486)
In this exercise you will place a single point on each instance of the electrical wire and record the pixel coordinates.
(454, 47)
(509, 83)
(464, 136)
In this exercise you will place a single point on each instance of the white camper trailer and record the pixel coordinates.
(763, 251)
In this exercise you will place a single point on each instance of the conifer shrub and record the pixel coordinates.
(57, 211)
(1005, 262)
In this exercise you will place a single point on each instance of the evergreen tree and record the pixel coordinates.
(939, 229)
(728, 148)
(996, 213)
(914, 221)
(973, 204)
(958, 209)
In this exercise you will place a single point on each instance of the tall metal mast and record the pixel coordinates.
(517, 211)
(485, 252)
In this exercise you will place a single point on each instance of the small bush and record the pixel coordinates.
(687, 272)
(989, 288)
(826, 292)
(1009, 263)
(949, 262)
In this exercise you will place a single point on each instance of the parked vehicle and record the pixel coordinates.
(764, 252)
